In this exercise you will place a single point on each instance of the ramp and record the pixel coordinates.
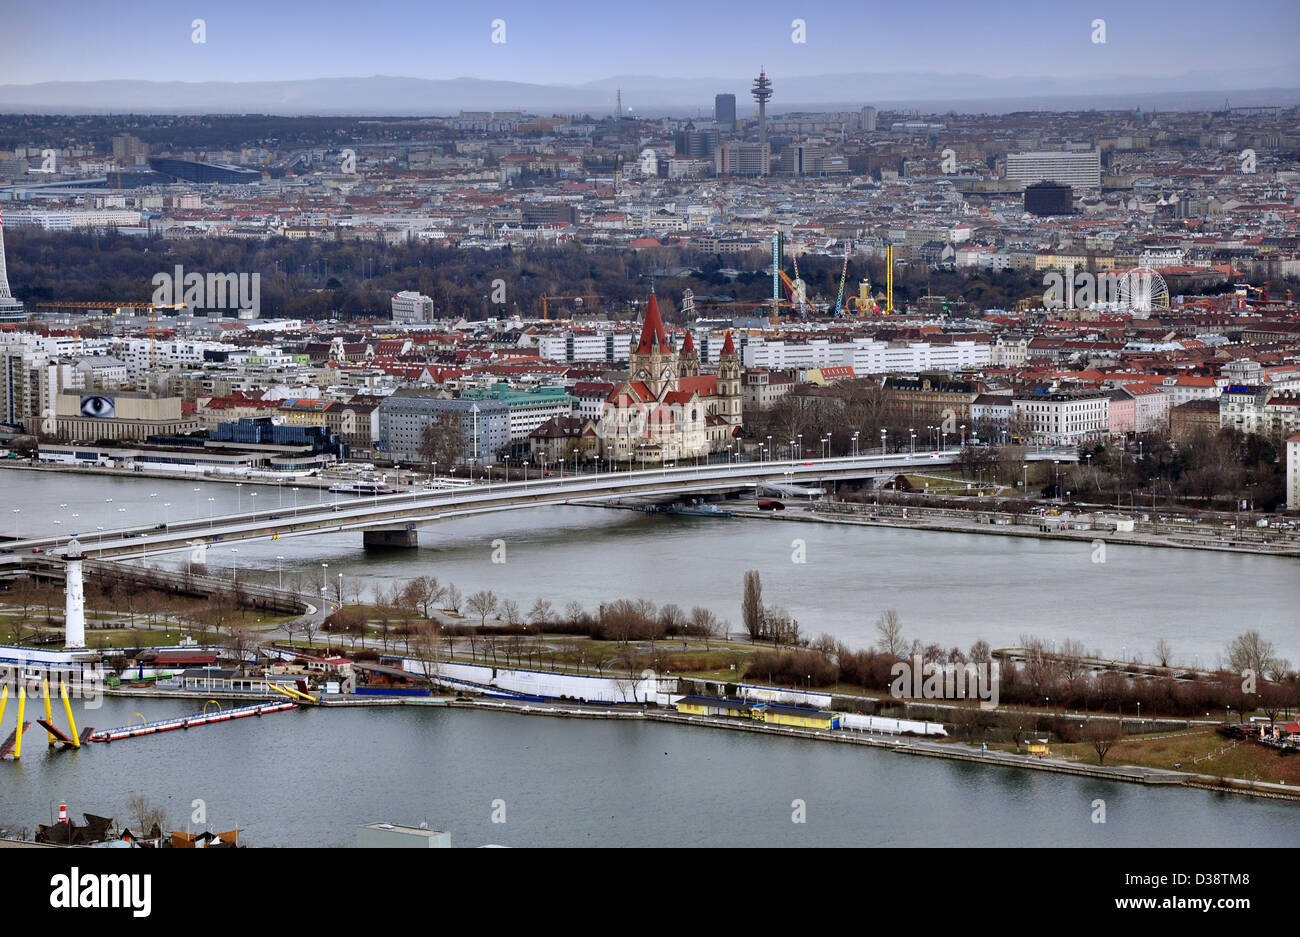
(54, 731)
(8, 745)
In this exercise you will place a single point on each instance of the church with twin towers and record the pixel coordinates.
(667, 410)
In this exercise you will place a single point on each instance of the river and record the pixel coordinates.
(311, 777)
(949, 588)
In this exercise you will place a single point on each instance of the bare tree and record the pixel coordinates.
(510, 612)
(980, 652)
(703, 624)
(146, 815)
(482, 604)
(1102, 734)
(1252, 652)
(890, 628)
(1163, 651)
(454, 598)
(751, 605)
(541, 613)
(428, 648)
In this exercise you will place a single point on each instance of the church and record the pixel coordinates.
(667, 410)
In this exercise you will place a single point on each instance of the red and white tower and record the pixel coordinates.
(11, 310)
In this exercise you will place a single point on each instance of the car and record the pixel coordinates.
(38, 549)
(159, 526)
(275, 517)
(130, 533)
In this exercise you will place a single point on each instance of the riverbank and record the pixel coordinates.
(917, 519)
(911, 745)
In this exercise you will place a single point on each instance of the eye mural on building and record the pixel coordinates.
(98, 406)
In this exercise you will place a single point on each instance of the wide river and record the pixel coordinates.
(311, 777)
(948, 588)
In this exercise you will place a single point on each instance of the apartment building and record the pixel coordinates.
(1063, 417)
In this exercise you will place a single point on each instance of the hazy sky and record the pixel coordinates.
(577, 41)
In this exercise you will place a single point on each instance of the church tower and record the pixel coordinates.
(652, 360)
(688, 360)
(729, 383)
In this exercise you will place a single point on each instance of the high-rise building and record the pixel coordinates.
(1079, 170)
(868, 119)
(696, 144)
(1049, 198)
(724, 110)
(743, 159)
(129, 150)
(11, 310)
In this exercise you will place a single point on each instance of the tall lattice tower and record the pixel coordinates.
(762, 92)
(11, 310)
(4, 276)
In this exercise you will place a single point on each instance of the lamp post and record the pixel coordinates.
(295, 500)
(210, 501)
(279, 573)
(323, 568)
(855, 443)
(883, 434)
(234, 551)
(239, 500)
(912, 442)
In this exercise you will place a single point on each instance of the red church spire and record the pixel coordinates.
(652, 330)
(688, 345)
(728, 347)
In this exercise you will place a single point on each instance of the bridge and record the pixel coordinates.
(392, 520)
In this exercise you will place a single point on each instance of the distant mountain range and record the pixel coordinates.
(653, 95)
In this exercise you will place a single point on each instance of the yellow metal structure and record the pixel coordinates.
(49, 716)
(4, 701)
(889, 280)
(22, 711)
(67, 708)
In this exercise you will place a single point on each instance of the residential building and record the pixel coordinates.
(1062, 417)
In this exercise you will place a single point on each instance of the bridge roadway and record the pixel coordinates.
(392, 519)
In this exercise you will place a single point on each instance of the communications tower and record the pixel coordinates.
(11, 310)
(762, 92)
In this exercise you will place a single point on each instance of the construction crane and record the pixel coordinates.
(889, 280)
(578, 300)
(844, 272)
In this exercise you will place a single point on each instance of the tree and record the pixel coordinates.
(442, 441)
(541, 613)
(890, 628)
(1163, 651)
(510, 612)
(1102, 734)
(428, 648)
(703, 624)
(146, 816)
(751, 605)
(1252, 652)
(482, 604)
(238, 640)
(980, 652)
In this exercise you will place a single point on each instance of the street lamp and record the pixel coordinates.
(912, 442)
(233, 558)
(323, 568)
(883, 434)
(210, 503)
(279, 572)
(239, 500)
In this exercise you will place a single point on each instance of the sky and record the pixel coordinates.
(576, 41)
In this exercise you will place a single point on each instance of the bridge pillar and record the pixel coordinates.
(74, 610)
(385, 538)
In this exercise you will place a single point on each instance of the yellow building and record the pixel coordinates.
(795, 716)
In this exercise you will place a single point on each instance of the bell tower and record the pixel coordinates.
(652, 360)
(729, 383)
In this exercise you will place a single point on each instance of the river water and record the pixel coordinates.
(948, 588)
(311, 777)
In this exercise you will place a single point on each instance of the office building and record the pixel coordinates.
(412, 308)
(1049, 198)
(724, 111)
(1080, 170)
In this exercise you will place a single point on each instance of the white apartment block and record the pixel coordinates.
(410, 308)
(1078, 170)
(866, 356)
(1293, 473)
(1063, 418)
(67, 220)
